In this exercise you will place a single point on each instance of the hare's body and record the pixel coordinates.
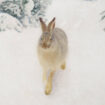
(52, 50)
(52, 58)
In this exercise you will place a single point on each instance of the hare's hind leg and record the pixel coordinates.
(63, 66)
(48, 87)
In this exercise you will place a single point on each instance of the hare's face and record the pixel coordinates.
(46, 40)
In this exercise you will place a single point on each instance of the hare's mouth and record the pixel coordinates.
(45, 46)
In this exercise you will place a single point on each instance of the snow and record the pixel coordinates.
(28, 7)
(8, 22)
(83, 81)
(12, 8)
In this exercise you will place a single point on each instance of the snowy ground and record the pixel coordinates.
(83, 81)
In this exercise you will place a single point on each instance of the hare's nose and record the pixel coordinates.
(44, 45)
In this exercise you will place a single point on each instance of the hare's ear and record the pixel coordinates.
(51, 25)
(43, 25)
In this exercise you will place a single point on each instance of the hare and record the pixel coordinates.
(52, 51)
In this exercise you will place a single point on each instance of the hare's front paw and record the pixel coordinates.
(48, 89)
(63, 66)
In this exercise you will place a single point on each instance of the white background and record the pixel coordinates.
(83, 81)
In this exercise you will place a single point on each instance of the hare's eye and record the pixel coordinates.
(41, 38)
(51, 38)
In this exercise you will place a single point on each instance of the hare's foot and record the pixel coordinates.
(48, 87)
(63, 66)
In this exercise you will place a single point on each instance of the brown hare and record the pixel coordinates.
(52, 50)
